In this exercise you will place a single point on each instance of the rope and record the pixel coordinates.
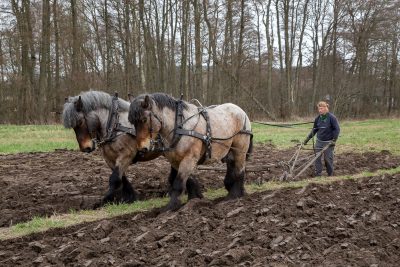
(284, 125)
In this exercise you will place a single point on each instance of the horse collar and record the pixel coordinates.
(113, 125)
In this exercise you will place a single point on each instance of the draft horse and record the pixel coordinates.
(100, 119)
(189, 135)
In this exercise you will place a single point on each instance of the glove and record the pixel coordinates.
(332, 143)
(306, 140)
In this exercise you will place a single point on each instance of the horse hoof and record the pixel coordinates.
(98, 205)
(195, 203)
(173, 206)
(128, 200)
(196, 196)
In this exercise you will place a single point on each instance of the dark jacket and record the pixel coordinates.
(327, 129)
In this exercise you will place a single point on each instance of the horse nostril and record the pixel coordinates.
(144, 150)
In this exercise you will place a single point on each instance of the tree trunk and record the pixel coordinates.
(44, 77)
(183, 75)
(288, 64)
(281, 69)
(199, 94)
(56, 89)
(77, 75)
(22, 14)
(240, 52)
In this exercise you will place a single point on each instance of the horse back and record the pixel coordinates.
(228, 119)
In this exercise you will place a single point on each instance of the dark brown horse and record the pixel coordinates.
(97, 117)
(189, 136)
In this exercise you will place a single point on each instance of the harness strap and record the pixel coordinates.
(178, 122)
(124, 129)
(245, 132)
(158, 143)
(113, 125)
(207, 141)
(112, 118)
(179, 131)
(192, 133)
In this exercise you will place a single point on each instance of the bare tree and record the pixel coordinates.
(45, 74)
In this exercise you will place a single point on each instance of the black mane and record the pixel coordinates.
(91, 100)
(162, 101)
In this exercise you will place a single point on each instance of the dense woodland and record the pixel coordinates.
(274, 58)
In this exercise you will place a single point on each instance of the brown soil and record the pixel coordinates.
(347, 223)
(39, 184)
(343, 223)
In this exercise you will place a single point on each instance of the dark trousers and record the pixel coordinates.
(328, 158)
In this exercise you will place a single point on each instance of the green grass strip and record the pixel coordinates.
(35, 138)
(355, 136)
(37, 224)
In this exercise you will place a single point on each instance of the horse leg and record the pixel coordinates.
(186, 167)
(235, 175)
(229, 179)
(171, 179)
(114, 183)
(128, 194)
(192, 185)
(120, 189)
(193, 188)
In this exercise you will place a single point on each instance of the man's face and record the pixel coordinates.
(323, 110)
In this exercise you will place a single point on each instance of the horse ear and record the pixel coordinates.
(78, 104)
(131, 97)
(146, 102)
(66, 100)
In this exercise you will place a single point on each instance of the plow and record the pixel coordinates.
(291, 169)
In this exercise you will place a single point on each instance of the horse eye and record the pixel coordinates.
(144, 120)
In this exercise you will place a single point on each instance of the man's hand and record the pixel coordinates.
(305, 141)
(332, 143)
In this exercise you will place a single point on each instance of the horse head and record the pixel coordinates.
(145, 115)
(85, 122)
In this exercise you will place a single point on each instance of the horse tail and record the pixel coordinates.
(250, 149)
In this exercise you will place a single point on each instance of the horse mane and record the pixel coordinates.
(162, 101)
(91, 100)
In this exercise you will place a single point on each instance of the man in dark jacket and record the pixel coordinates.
(327, 128)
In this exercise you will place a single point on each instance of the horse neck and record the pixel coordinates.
(123, 119)
(168, 121)
(103, 115)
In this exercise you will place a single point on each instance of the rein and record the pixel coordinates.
(284, 125)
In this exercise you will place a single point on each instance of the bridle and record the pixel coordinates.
(157, 143)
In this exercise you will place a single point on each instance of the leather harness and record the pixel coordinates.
(159, 146)
(113, 124)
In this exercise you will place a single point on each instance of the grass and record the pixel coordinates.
(40, 224)
(35, 138)
(76, 217)
(355, 136)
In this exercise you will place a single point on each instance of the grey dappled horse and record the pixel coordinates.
(200, 135)
(91, 116)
